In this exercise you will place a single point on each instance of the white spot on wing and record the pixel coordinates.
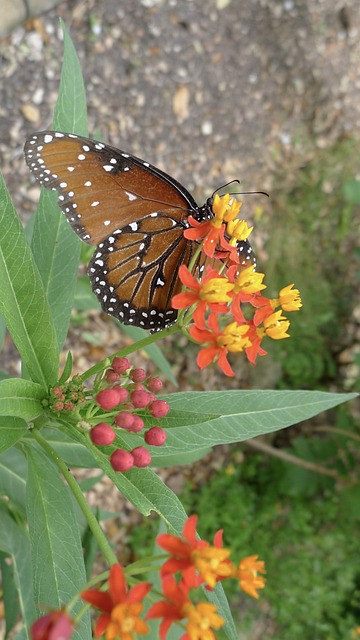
(48, 138)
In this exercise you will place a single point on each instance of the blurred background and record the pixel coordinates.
(266, 91)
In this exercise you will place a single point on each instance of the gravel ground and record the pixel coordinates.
(208, 91)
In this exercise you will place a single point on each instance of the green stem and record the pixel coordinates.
(79, 496)
(140, 344)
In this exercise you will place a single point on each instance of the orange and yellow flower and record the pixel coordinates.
(120, 606)
(229, 311)
(247, 574)
(201, 618)
(219, 342)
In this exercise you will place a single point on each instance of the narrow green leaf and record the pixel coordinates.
(15, 542)
(73, 453)
(70, 113)
(55, 245)
(219, 417)
(13, 473)
(2, 331)
(85, 299)
(66, 372)
(11, 430)
(10, 599)
(57, 558)
(21, 398)
(22, 299)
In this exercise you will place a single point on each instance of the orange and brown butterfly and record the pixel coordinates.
(135, 215)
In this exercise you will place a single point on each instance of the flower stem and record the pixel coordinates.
(79, 496)
(140, 344)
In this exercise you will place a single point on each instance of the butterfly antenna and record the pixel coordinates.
(239, 193)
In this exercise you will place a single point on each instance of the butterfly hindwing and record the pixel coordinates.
(134, 271)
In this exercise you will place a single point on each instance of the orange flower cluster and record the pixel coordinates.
(196, 563)
(223, 300)
(191, 563)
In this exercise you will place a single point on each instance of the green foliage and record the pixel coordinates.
(310, 553)
(314, 246)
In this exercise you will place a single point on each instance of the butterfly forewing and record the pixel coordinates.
(101, 188)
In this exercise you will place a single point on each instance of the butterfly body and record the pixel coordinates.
(134, 213)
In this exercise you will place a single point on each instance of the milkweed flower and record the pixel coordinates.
(225, 209)
(199, 619)
(219, 342)
(276, 326)
(189, 554)
(120, 606)
(211, 293)
(247, 574)
(289, 298)
(230, 314)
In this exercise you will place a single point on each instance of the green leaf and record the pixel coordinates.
(219, 417)
(58, 563)
(70, 113)
(55, 245)
(11, 430)
(73, 453)
(85, 299)
(13, 473)
(66, 372)
(2, 331)
(22, 298)
(21, 398)
(15, 542)
(10, 599)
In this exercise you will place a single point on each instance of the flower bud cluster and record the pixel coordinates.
(129, 395)
(65, 397)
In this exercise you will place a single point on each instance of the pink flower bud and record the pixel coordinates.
(140, 398)
(154, 384)
(159, 408)
(121, 460)
(55, 625)
(137, 425)
(102, 434)
(58, 406)
(57, 392)
(141, 456)
(138, 375)
(124, 420)
(120, 365)
(110, 398)
(68, 406)
(112, 376)
(155, 436)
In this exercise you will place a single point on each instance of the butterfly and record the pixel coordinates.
(135, 215)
